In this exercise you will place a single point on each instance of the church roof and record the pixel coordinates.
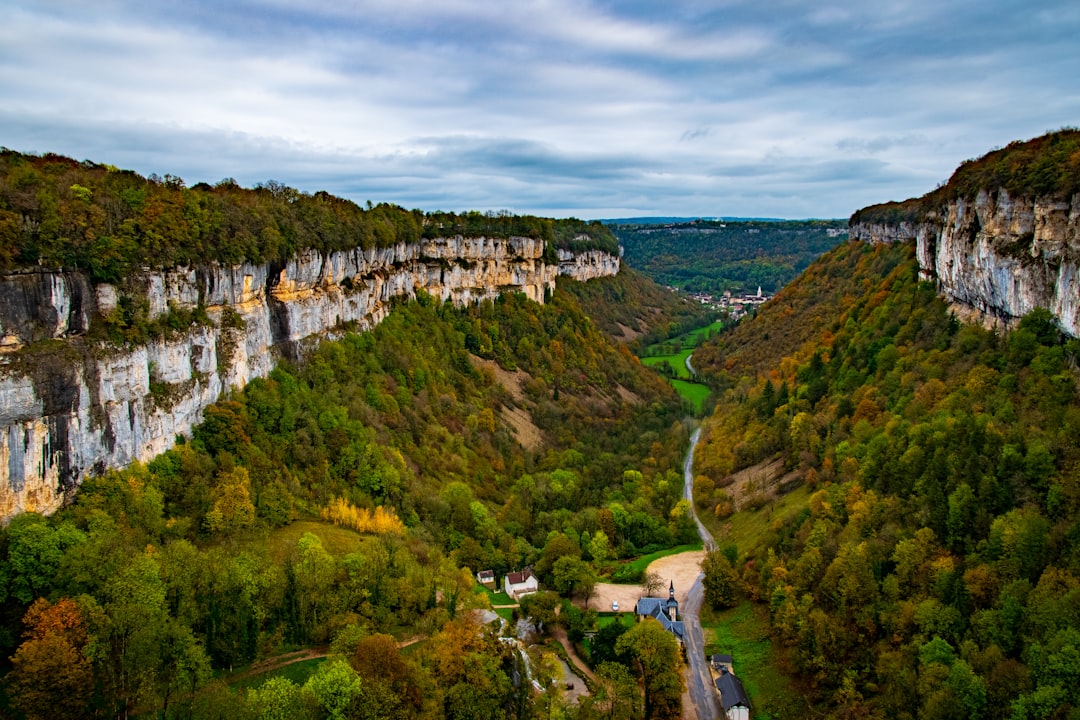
(657, 608)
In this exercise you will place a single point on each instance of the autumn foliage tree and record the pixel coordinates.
(51, 674)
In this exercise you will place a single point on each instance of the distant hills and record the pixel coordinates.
(663, 220)
(720, 255)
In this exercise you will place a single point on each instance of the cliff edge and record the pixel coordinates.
(1002, 237)
(71, 404)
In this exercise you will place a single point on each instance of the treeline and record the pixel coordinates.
(341, 500)
(935, 571)
(1048, 165)
(63, 214)
(714, 256)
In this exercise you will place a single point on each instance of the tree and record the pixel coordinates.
(181, 667)
(51, 675)
(540, 606)
(281, 699)
(315, 571)
(233, 510)
(136, 617)
(651, 583)
(35, 548)
(721, 582)
(573, 576)
(599, 548)
(605, 641)
(390, 681)
(657, 656)
(617, 696)
(336, 686)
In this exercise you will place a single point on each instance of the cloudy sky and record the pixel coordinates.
(777, 108)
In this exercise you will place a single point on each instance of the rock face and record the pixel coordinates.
(998, 257)
(69, 406)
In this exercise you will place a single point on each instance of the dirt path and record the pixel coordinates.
(279, 661)
(578, 665)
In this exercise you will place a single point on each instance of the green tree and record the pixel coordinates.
(721, 582)
(336, 687)
(281, 699)
(34, 551)
(656, 655)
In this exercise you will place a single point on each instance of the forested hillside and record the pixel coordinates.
(63, 214)
(632, 308)
(935, 570)
(714, 256)
(344, 500)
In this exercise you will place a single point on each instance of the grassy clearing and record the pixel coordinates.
(743, 633)
(337, 541)
(676, 362)
(693, 393)
(297, 672)
(499, 597)
(673, 353)
(606, 618)
(747, 528)
(639, 564)
(417, 648)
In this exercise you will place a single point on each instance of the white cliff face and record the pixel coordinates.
(75, 408)
(997, 256)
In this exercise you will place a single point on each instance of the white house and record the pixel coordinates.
(521, 583)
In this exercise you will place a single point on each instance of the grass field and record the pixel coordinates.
(743, 633)
(298, 672)
(336, 540)
(673, 353)
(677, 362)
(693, 393)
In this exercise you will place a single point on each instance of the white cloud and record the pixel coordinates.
(687, 108)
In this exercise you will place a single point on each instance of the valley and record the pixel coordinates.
(321, 448)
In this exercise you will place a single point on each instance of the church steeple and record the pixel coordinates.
(672, 603)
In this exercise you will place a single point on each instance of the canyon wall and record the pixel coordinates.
(997, 257)
(70, 405)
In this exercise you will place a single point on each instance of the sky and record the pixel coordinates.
(764, 108)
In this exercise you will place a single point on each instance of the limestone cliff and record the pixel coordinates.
(69, 405)
(997, 257)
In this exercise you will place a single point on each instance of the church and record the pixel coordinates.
(666, 612)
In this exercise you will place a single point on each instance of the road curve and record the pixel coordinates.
(692, 371)
(698, 677)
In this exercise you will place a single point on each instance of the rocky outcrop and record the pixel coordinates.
(69, 406)
(998, 257)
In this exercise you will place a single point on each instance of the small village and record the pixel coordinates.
(736, 306)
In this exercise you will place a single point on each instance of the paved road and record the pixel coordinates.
(692, 371)
(698, 678)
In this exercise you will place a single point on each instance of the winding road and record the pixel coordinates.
(699, 681)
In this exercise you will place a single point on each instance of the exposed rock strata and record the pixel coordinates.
(68, 406)
(998, 257)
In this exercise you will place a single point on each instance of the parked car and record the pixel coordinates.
(615, 605)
